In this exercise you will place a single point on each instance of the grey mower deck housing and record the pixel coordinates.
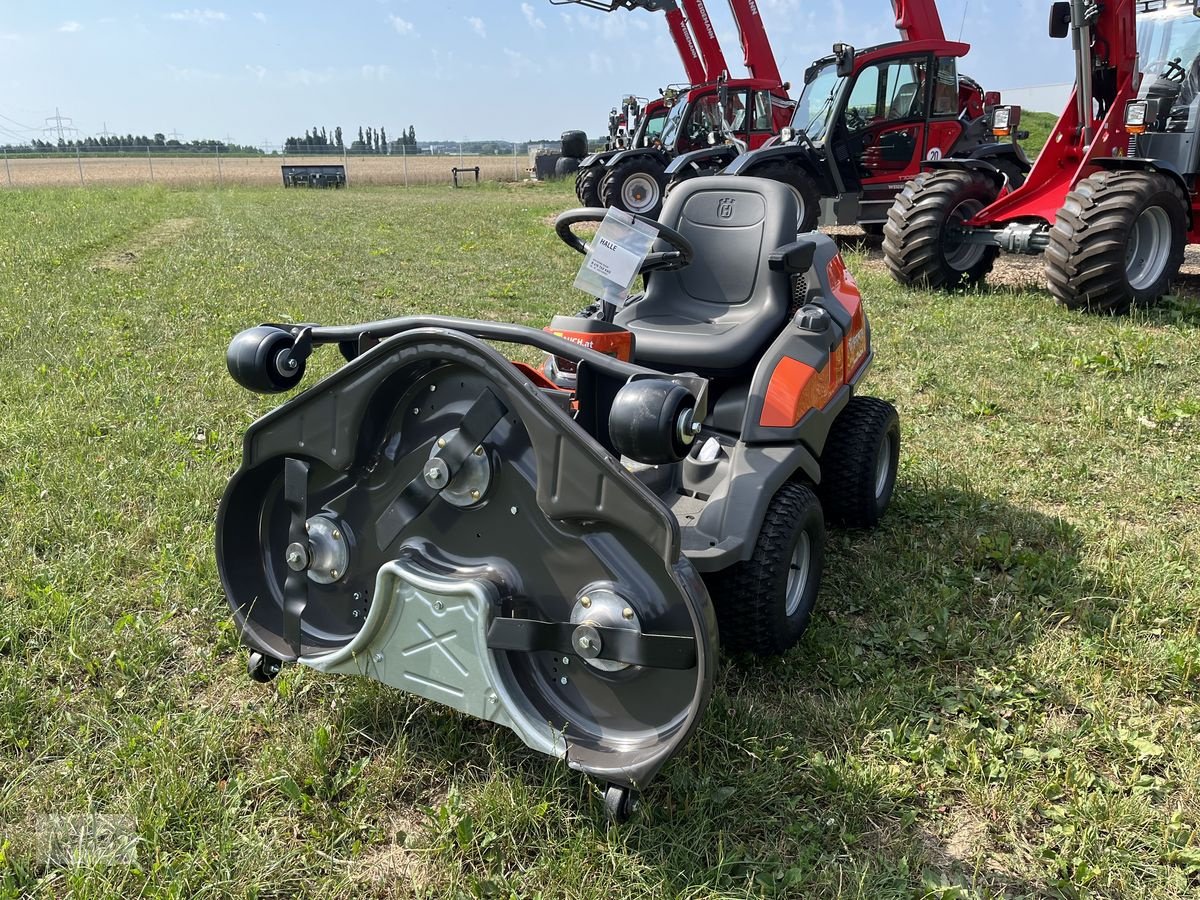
(545, 553)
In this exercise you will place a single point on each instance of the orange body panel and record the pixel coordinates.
(618, 344)
(844, 288)
(796, 388)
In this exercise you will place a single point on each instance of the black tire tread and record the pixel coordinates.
(912, 237)
(1085, 261)
(795, 177)
(587, 185)
(744, 595)
(610, 184)
(847, 489)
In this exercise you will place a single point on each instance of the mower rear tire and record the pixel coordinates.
(587, 185)
(805, 189)
(764, 604)
(1118, 241)
(620, 803)
(859, 465)
(635, 186)
(918, 246)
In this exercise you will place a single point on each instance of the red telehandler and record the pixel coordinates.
(865, 123)
(1111, 201)
(753, 109)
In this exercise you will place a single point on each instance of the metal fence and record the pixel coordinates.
(212, 166)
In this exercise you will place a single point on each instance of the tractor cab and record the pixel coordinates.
(1168, 98)
(866, 121)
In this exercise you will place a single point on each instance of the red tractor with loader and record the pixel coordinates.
(754, 108)
(865, 123)
(1111, 201)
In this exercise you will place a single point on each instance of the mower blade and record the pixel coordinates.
(295, 586)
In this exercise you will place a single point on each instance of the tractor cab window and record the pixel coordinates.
(888, 91)
(655, 122)
(1169, 55)
(945, 87)
(763, 119)
(816, 103)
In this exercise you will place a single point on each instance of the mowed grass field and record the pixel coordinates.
(999, 695)
(211, 169)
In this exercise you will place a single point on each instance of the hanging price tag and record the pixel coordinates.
(616, 254)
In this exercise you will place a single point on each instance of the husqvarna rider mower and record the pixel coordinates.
(548, 554)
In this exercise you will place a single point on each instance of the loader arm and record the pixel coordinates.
(756, 46)
(685, 45)
(698, 18)
(918, 20)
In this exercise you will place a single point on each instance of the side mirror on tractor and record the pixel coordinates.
(844, 54)
(1060, 19)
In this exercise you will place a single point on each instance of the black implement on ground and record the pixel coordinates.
(323, 176)
(551, 550)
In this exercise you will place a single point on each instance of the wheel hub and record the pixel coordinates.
(798, 570)
(1149, 248)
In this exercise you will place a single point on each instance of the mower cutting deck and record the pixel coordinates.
(553, 554)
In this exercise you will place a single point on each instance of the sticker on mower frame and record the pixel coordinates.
(614, 257)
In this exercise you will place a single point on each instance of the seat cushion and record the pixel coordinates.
(719, 313)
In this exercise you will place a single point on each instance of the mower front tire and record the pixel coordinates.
(635, 186)
(919, 244)
(859, 465)
(764, 604)
(1117, 241)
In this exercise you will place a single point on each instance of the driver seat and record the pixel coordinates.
(717, 315)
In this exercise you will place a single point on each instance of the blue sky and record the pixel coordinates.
(454, 69)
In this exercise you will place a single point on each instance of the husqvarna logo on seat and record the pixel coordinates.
(725, 208)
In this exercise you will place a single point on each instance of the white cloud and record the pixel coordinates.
(600, 63)
(198, 16)
(402, 26)
(194, 75)
(375, 73)
(70, 27)
(262, 17)
(259, 72)
(309, 77)
(520, 63)
(477, 25)
(532, 17)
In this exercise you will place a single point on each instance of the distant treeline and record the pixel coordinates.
(370, 140)
(129, 142)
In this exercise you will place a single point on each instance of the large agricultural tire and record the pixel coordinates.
(566, 166)
(574, 143)
(587, 185)
(635, 186)
(916, 247)
(860, 462)
(805, 189)
(1118, 240)
(764, 604)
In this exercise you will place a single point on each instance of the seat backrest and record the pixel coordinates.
(728, 294)
(904, 101)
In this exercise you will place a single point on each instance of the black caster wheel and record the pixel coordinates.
(651, 421)
(262, 668)
(620, 803)
(261, 360)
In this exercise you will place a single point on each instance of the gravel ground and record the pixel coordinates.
(1011, 270)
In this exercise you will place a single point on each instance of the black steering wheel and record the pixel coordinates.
(679, 257)
(1168, 68)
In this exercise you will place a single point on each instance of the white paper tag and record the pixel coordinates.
(615, 256)
(612, 261)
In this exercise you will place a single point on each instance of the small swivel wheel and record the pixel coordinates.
(652, 420)
(620, 803)
(262, 668)
(264, 360)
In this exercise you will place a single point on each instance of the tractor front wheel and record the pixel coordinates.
(1117, 241)
(922, 246)
(634, 186)
(587, 185)
(803, 187)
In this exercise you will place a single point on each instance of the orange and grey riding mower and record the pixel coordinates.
(555, 554)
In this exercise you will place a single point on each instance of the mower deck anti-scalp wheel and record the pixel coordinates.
(634, 186)
(260, 359)
(262, 668)
(763, 605)
(920, 247)
(587, 185)
(1117, 241)
(620, 803)
(858, 467)
(805, 189)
